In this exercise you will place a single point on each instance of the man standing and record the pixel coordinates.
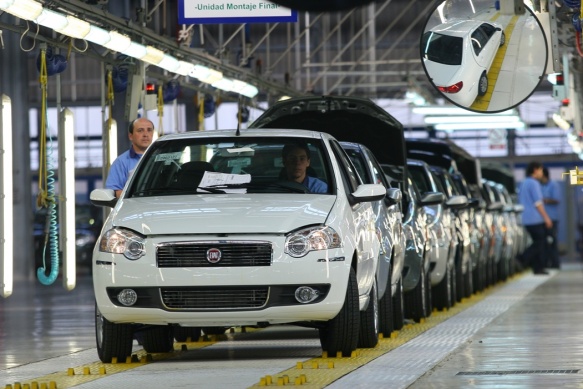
(140, 133)
(551, 197)
(534, 217)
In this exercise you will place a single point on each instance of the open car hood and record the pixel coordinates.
(349, 119)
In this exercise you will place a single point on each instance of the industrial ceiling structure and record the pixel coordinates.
(371, 50)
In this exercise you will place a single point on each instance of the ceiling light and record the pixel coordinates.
(224, 84)
(118, 42)
(445, 110)
(98, 35)
(169, 63)
(24, 9)
(52, 19)
(479, 126)
(184, 68)
(244, 88)
(470, 119)
(205, 74)
(135, 50)
(75, 28)
(153, 55)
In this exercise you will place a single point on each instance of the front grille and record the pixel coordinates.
(215, 298)
(233, 253)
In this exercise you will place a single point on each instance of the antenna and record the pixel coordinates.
(238, 133)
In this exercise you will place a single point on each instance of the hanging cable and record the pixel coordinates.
(46, 183)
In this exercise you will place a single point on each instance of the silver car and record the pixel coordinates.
(389, 223)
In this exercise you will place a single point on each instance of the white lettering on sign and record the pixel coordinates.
(228, 9)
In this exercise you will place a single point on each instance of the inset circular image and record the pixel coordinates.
(485, 56)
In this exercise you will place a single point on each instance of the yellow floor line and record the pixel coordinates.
(74, 376)
(318, 373)
(482, 102)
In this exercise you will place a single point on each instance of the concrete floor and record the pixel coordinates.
(525, 333)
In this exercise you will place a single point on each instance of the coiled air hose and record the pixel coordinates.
(46, 196)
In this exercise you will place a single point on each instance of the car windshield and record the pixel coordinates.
(443, 49)
(233, 165)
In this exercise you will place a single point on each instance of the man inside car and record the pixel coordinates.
(296, 160)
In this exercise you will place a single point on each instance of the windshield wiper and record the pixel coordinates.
(287, 185)
(172, 190)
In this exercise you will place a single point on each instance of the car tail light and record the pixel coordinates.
(455, 88)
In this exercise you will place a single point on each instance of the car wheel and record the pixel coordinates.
(416, 306)
(502, 39)
(341, 333)
(483, 84)
(183, 334)
(442, 292)
(386, 320)
(113, 340)
(468, 284)
(398, 306)
(158, 339)
(214, 330)
(368, 336)
(459, 277)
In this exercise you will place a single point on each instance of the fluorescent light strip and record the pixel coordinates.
(437, 110)
(118, 42)
(135, 50)
(24, 9)
(98, 35)
(153, 55)
(75, 28)
(169, 63)
(52, 19)
(184, 68)
(479, 126)
(470, 119)
(67, 187)
(6, 210)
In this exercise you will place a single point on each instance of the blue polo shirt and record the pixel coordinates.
(530, 196)
(551, 191)
(315, 185)
(121, 169)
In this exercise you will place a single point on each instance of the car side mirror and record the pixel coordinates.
(432, 198)
(367, 192)
(103, 197)
(457, 202)
(518, 208)
(495, 207)
(394, 196)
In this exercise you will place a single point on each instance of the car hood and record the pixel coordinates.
(348, 119)
(224, 214)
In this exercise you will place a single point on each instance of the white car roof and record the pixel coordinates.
(270, 133)
(458, 27)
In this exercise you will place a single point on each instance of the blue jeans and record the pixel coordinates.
(534, 255)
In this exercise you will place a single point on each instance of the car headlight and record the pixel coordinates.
(309, 239)
(121, 241)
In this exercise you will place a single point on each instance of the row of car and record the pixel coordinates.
(213, 230)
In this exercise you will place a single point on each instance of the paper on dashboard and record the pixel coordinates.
(214, 179)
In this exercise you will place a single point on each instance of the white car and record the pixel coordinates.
(457, 56)
(208, 233)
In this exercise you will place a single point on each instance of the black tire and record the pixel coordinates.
(158, 339)
(483, 84)
(459, 277)
(468, 282)
(398, 307)
(386, 313)
(341, 333)
(502, 39)
(368, 336)
(214, 330)
(183, 334)
(416, 304)
(442, 292)
(113, 340)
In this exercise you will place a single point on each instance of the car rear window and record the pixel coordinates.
(443, 49)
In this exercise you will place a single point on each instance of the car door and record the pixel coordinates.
(366, 239)
(482, 53)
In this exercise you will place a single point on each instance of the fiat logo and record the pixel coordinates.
(213, 255)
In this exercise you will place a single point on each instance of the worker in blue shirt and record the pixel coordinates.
(140, 133)
(296, 160)
(534, 218)
(551, 198)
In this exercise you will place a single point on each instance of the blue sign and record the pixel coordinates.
(234, 11)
